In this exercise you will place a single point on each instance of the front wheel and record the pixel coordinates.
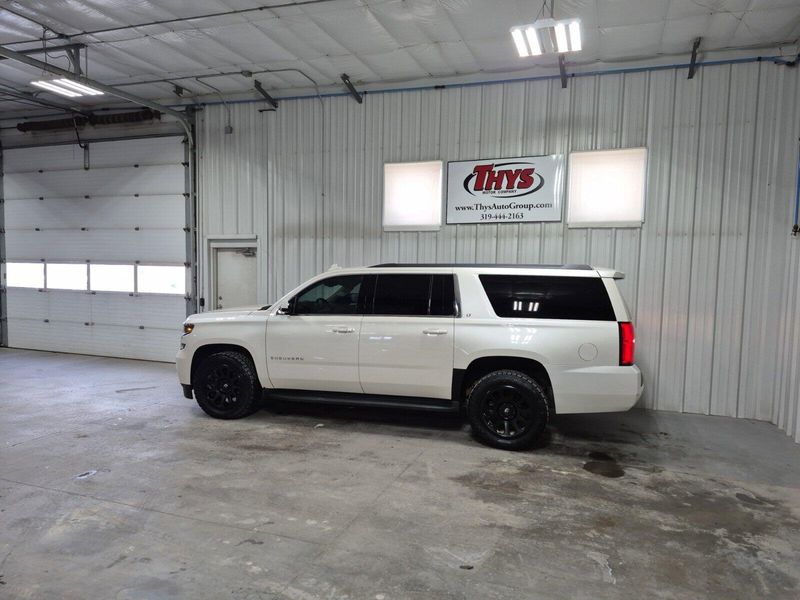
(508, 410)
(226, 385)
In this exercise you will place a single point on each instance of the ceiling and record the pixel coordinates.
(378, 43)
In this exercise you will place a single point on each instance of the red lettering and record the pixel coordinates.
(480, 180)
(495, 179)
(511, 178)
(525, 179)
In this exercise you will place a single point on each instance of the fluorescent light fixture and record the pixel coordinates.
(519, 42)
(46, 85)
(547, 36)
(575, 36)
(561, 37)
(78, 87)
(533, 41)
(67, 87)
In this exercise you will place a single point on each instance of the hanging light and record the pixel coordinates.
(66, 87)
(547, 36)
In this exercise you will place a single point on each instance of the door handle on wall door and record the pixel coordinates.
(343, 330)
(434, 331)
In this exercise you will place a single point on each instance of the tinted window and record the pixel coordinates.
(533, 297)
(332, 296)
(443, 296)
(402, 294)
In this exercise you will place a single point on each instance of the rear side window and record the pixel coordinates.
(414, 295)
(535, 297)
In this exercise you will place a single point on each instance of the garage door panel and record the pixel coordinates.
(142, 310)
(109, 181)
(146, 151)
(146, 344)
(105, 245)
(55, 305)
(28, 303)
(69, 305)
(123, 212)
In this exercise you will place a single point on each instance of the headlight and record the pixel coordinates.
(188, 328)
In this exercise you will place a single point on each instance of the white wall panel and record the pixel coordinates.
(711, 276)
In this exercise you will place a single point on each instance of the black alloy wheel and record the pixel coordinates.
(508, 409)
(226, 385)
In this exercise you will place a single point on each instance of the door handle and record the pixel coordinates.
(434, 331)
(343, 330)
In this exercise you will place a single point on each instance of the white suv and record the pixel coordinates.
(513, 345)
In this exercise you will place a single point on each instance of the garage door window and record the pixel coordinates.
(111, 278)
(67, 277)
(157, 279)
(25, 275)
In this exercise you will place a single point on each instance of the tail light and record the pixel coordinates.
(627, 343)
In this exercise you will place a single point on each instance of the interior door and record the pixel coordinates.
(406, 344)
(236, 277)
(315, 347)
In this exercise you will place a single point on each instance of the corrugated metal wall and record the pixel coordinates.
(712, 275)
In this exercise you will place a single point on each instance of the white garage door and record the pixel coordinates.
(95, 258)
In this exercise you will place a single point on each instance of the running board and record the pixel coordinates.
(369, 400)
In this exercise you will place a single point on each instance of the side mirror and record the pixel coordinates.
(287, 310)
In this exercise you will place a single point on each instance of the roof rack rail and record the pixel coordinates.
(482, 266)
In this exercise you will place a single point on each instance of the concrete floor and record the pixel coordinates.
(112, 485)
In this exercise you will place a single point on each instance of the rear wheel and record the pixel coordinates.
(226, 385)
(508, 409)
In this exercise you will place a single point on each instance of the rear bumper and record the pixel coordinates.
(596, 389)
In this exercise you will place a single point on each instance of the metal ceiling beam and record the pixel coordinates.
(112, 91)
(562, 71)
(263, 92)
(65, 47)
(351, 88)
(239, 11)
(693, 63)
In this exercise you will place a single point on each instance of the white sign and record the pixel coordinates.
(505, 190)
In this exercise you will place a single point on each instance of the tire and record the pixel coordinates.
(508, 410)
(226, 385)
